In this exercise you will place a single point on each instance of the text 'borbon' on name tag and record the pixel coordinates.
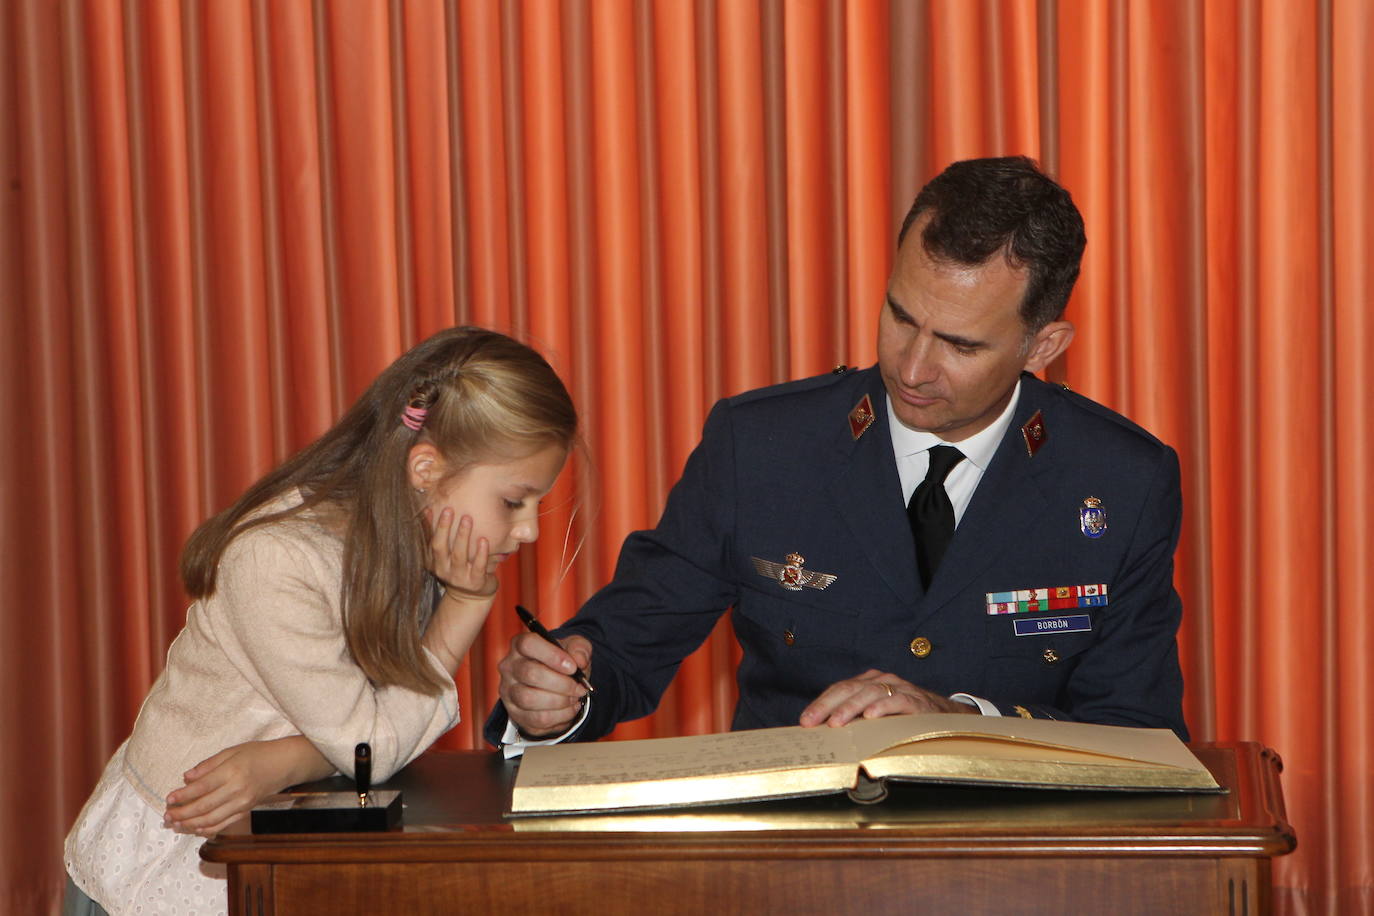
(1044, 626)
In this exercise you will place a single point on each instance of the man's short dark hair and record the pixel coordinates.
(979, 207)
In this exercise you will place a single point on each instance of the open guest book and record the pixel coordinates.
(859, 758)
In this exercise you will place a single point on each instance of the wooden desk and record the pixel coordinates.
(925, 849)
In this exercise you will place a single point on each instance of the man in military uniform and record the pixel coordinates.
(942, 532)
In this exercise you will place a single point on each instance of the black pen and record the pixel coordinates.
(537, 628)
(362, 771)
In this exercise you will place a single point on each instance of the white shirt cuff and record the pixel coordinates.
(513, 743)
(983, 705)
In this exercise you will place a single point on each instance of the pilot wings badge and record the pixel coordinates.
(790, 575)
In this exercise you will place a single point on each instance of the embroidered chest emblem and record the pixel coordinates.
(1092, 518)
(791, 575)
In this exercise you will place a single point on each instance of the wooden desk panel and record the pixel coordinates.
(925, 849)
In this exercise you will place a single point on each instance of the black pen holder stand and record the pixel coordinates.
(328, 812)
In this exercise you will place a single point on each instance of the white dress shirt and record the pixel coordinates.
(912, 447)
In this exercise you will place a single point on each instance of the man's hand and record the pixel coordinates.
(537, 687)
(224, 787)
(873, 694)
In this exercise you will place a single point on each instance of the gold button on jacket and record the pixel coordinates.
(920, 647)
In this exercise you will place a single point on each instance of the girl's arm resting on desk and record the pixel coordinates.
(296, 656)
(224, 787)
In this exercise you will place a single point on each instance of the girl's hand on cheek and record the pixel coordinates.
(458, 563)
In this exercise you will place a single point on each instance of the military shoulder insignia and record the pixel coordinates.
(861, 417)
(1035, 433)
(1092, 517)
(790, 575)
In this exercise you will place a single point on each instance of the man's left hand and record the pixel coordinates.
(872, 694)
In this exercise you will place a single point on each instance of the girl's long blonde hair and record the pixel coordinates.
(486, 397)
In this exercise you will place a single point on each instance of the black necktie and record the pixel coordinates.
(931, 514)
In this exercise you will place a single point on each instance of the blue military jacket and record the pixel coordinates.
(779, 473)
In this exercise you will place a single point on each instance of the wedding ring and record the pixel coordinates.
(887, 687)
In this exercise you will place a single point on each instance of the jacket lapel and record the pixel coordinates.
(1008, 500)
(868, 495)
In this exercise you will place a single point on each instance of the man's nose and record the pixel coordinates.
(918, 365)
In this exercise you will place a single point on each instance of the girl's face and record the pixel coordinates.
(501, 498)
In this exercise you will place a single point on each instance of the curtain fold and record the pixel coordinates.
(221, 220)
(1348, 752)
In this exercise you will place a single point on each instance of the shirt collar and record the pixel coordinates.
(978, 448)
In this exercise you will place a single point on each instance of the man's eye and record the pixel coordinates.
(513, 503)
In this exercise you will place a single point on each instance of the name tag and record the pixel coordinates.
(1044, 626)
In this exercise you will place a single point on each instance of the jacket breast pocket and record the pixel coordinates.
(777, 621)
(1032, 656)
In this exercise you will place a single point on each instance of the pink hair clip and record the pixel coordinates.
(414, 417)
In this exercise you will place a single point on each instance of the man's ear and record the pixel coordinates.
(1045, 347)
(424, 466)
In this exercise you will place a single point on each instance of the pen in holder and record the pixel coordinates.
(362, 771)
(360, 810)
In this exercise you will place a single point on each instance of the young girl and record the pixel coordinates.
(333, 604)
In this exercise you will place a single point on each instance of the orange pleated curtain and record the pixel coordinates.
(220, 220)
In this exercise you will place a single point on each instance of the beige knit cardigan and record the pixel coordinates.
(264, 657)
